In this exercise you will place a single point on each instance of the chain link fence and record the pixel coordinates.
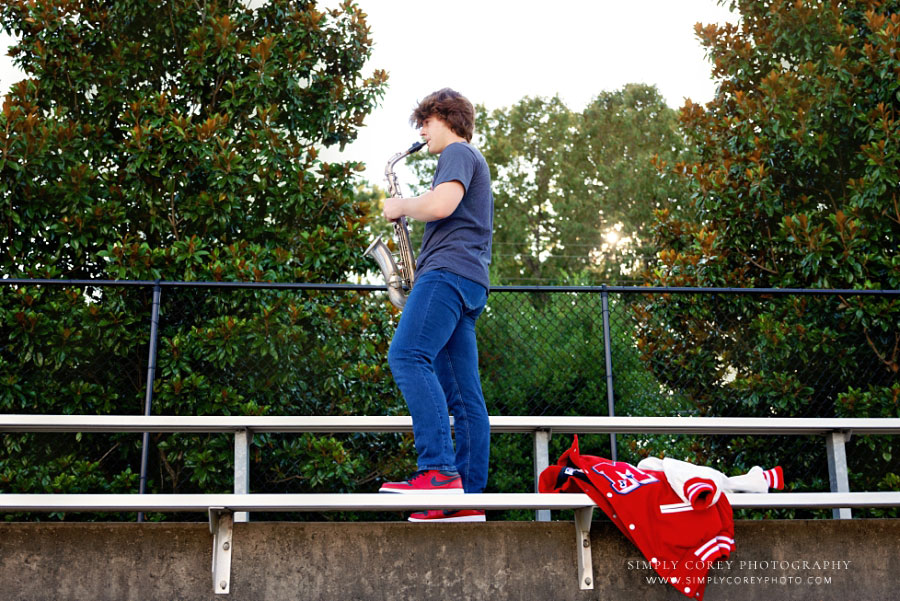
(265, 349)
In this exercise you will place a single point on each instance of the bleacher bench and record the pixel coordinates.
(224, 509)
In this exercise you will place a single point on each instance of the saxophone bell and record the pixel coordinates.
(379, 251)
(398, 276)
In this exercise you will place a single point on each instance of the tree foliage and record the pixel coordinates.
(159, 137)
(179, 140)
(565, 180)
(795, 185)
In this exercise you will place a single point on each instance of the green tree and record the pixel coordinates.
(795, 185)
(565, 181)
(178, 140)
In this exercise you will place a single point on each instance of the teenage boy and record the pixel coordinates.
(433, 355)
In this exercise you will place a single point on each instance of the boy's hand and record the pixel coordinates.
(393, 208)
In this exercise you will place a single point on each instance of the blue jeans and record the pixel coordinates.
(434, 360)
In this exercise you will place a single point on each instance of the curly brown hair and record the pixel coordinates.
(451, 107)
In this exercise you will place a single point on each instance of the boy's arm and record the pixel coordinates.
(431, 206)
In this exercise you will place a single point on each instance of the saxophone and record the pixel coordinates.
(399, 274)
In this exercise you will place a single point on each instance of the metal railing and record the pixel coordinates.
(580, 341)
(836, 432)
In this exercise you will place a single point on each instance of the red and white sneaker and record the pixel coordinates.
(442, 515)
(427, 482)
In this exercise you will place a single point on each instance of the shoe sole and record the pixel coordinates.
(429, 491)
(466, 518)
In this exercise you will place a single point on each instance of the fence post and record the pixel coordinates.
(837, 469)
(610, 394)
(242, 440)
(541, 462)
(148, 395)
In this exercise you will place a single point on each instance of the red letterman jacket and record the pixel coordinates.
(679, 540)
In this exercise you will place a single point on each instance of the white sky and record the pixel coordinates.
(498, 51)
(495, 52)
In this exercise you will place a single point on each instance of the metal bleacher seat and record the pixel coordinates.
(224, 509)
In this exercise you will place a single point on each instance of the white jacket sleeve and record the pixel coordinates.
(702, 486)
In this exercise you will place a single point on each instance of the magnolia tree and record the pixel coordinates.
(180, 140)
(795, 185)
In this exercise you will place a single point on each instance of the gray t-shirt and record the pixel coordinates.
(461, 242)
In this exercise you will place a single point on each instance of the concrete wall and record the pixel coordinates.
(846, 560)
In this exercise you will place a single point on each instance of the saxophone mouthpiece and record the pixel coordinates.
(415, 147)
